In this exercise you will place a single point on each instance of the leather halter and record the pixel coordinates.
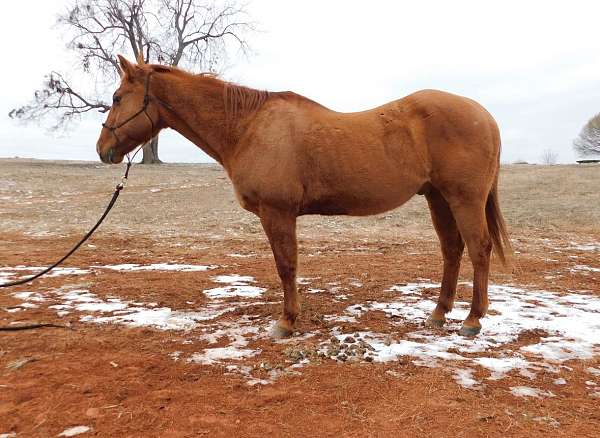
(144, 110)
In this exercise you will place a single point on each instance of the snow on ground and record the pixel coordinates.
(74, 431)
(10, 273)
(551, 328)
(158, 267)
(237, 287)
(526, 391)
(583, 269)
(568, 328)
(236, 333)
(588, 246)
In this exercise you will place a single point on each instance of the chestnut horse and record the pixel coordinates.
(288, 156)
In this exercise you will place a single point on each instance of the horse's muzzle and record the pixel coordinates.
(108, 157)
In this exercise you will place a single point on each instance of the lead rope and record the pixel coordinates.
(110, 205)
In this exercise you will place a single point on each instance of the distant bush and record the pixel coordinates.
(548, 157)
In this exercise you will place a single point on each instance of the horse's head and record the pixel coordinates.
(133, 118)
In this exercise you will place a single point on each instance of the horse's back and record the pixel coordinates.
(366, 162)
(459, 138)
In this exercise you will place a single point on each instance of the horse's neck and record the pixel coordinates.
(195, 108)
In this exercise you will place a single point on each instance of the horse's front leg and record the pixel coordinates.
(280, 227)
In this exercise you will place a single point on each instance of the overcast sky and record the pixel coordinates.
(534, 65)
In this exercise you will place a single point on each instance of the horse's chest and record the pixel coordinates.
(247, 201)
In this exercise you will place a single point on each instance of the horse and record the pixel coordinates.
(287, 156)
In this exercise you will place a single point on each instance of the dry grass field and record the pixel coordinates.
(162, 318)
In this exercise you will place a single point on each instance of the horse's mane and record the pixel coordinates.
(238, 99)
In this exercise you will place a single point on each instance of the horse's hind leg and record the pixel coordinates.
(452, 249)
(280, 228)
(471, 220)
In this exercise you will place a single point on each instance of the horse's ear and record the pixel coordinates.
(127, 68)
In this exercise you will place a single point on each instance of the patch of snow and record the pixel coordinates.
(591, 246)
(73, 431)
(13, 309)
(593, 371)
(501, 366)
(244, 291)
(464, 377)
(311, 290)
(568, 323)
(133, 314)
(583, 268)
(234, 279)
(7, 271)
(306, 280)
(238, 287)
(213, 355)
(339, 318)
(560, 381)
(163, 318)
(158, 267)
(175, 355)
(413, 288)
(29, 296)
(526, 391)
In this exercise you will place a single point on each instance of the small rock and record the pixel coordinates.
(93, 412)
(369, 358)
(87, 389)
(334, 352)
(342, 357)
(349, 340)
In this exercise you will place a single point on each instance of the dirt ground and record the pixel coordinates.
(174, 343)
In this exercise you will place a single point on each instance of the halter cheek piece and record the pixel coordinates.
(144, 109)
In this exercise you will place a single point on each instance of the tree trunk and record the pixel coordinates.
(150, 151)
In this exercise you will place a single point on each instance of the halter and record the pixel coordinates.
(144, 109)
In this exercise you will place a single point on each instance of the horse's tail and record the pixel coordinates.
(497, 226)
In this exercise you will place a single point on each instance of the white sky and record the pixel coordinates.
(534, 65)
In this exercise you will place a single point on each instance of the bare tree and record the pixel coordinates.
(549, 156)
(588, 141)
(192, 33)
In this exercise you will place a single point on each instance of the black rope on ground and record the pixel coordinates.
(109, 207)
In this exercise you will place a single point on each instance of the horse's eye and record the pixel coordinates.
(116, 99)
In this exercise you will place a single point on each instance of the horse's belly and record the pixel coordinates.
(357, 203)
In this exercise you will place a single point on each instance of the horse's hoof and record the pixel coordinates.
(434, 323)
(279, 332)
(469, 332)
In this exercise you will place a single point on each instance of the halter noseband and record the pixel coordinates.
(144, 109)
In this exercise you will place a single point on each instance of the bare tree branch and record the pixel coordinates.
(190, 33)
